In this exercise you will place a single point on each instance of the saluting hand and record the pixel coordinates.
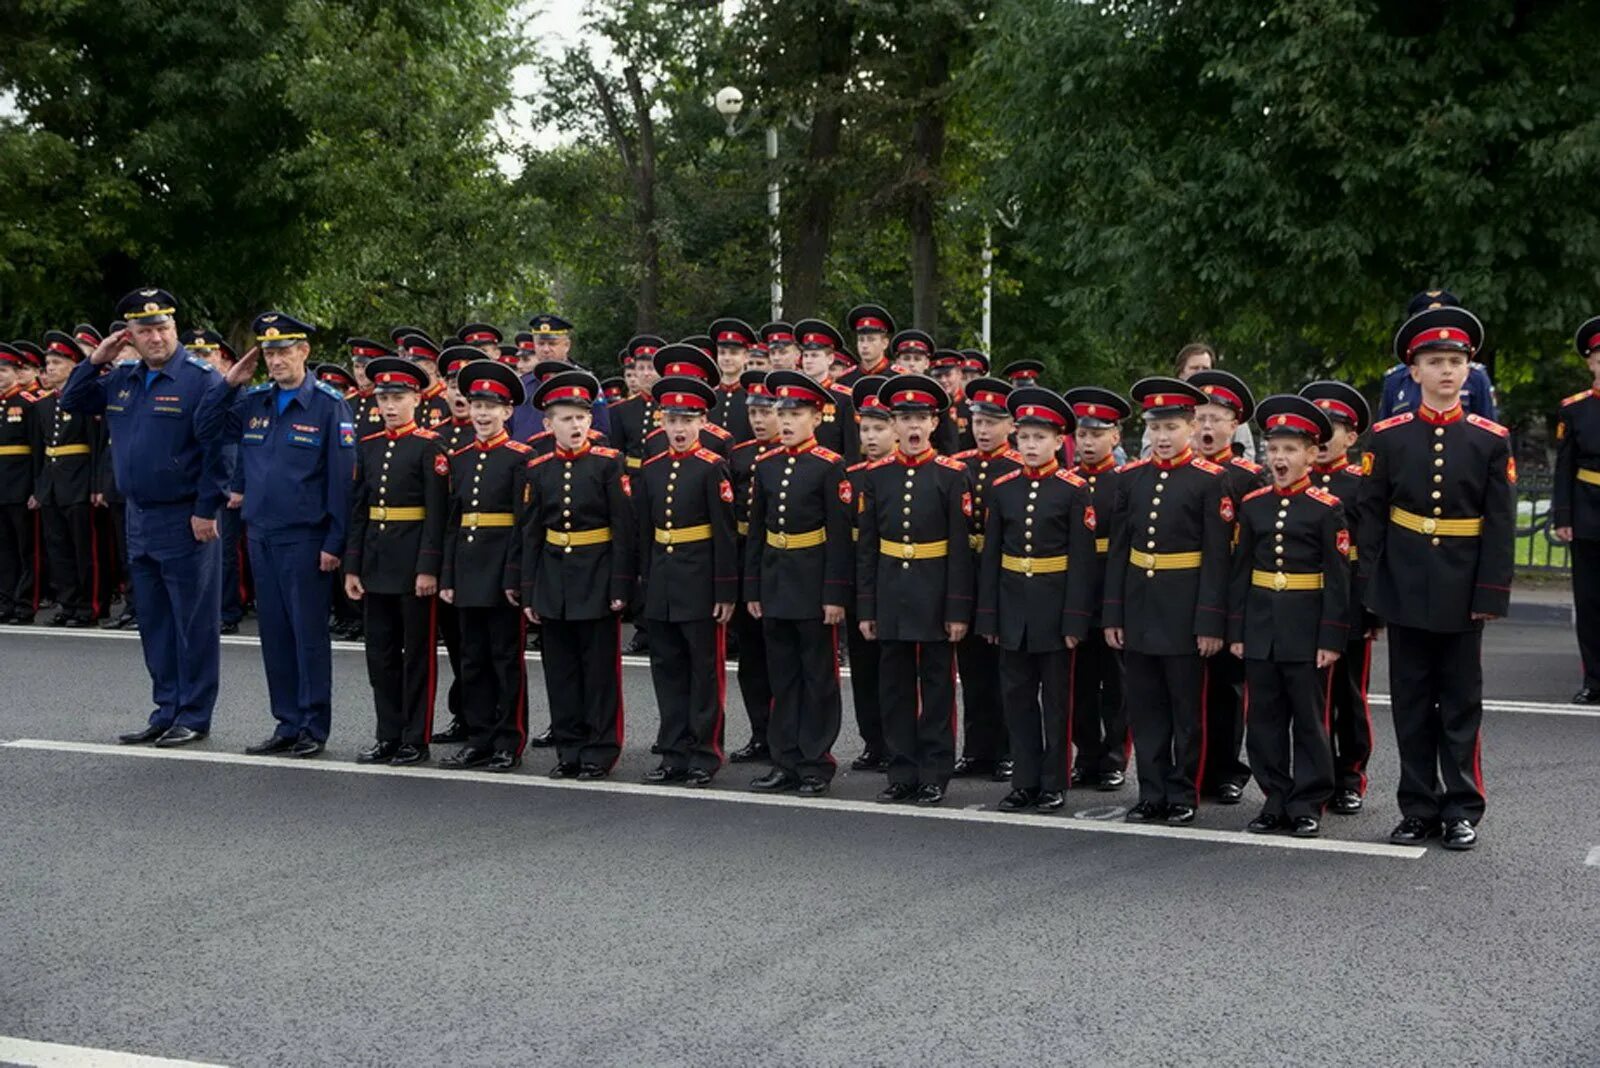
(241, 373)
(107, 350)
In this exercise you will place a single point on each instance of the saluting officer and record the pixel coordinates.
(1287, 617)
(873, 326)
(1575, 511)
(734, 338)
(915, 583)
(1099, 716)
(65, 453)
(1166, 596)
(18, 552)
(819, 341)
(297, 442)
(690, 572)
(686, 359)
(1438, 514)
(797, 580)
(755, 683)
(1350, 727)
(578, 575)
(398, 510)
(877, 436)
(552, 343)
(482, 575)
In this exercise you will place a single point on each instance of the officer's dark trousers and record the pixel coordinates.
(230, 531)
(1436, 690)
(292, 603)
(1224, 723)
(1351, 730)
(18, 561)
(175, 581)
(686, 668)
(402, 663)
(978, 663)
(1287, 707)
(864, 692)
(1037, 698)
(1586, 606)
(806, 706)
(755, 683)
(450, 634)
(1166, 711)
(494, 677)
(1099, 716)
(583, 683)
(917, 692)
(69, 544)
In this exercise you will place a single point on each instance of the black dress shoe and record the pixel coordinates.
(752, 752)
(455, 732)
(1414, 830)
(1459, 835)
(275, 744)
(78, 623)
(113, 623)
(177, 736)
(1146, 812)
(1178, 815)
(409, 754)
(697, 777)
(898, 791)
(1230, 793)
(1078, 778)
(468, 756)
(776, 781)
(665, 774)
(1018, 799)
(1108, 781)
(1586, 696)
(566, 769)
(147, 734)
(1266, 823)
(812, 786)
(307, 747)
(1306, 827)
(59, 619)
(1002, 771)
(543, 741)
(968, 767)
(867, 761)
(231, 628)
(1346, 802)
(930, 793)
(592, 772)
(502, 760)
(637, 644)
(378, 753)
(1050, 800)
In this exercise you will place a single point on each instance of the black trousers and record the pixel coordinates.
(450, 634)
(402, 663)
(917, 692)
(1351, 728)
(806, 707)
(117, 553)
(1099, 715)
(1038, 699)
(1288, 709)
(1586, 606)
(1224, 709)
(864, 687)
(978, 663)
(583, 683)
(18, 561)
(1436, 690)
(755, 684)
(494, 679)
(687, 670)
(69, 545)
(1165, 710)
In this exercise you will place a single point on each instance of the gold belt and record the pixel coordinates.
(809, 539)
(914, 550)
(488, 519)
(634, 463)
(16, 450)
(1424, 524)
(742, 528)
(1354, 556)
(66, 450)
(683, 535)
(1164, 561)
(1102, 545)
(1034, 565)
(1591, 477)
(598, 536)
(400, 515)
(1283, 580)
(855, 533)
(976, 541)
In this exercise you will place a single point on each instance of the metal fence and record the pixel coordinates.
(1537, 548)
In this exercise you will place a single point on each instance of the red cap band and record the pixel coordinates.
(801, 393)
(868, 322)
(480, 336)
(688, 370)
(365, 352)
(644, 350)
(61, 348)
(568, 393)
(733, 336)
(778, 337)
(972, 364)
(1223, 395)
(1095, 411)
(816, 339)
(489, 385)
(989, 396)
(1039, 411)
(1169, 400)
(915, 396)
(1594, 342)
(683, 400)
(87, 338)
(1338, 408)
(396, 376)
(1290, 421)
(911, 344)
(1027, 373)
(1448, 335)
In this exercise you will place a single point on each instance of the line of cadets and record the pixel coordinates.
(953, 524)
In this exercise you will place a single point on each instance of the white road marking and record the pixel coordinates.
(732, 797)
(1593, 859)
(56, 1055)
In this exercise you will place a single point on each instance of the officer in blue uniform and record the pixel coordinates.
(1401, 394)
(551, 339)
(297, 441)
(170, 472)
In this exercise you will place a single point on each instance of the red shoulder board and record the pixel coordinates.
(379, 434)
(950, 462)
(965, 454)
(843, 392)
(747, 443)
(1249, 465)
(1207, 466)
(1354, 469)
(657, 456)
(1070, 478)
(827, 455)
(708, 456)
(774, 451)
(861, 465)
(425, 434)
(1253, 494)
(596, 435)
(604, 450)
(1576, 397)
(1011, 454)
(541, 458)
(653, 433)
(1007, 477)
(1131, 464)
(1393, 421)
(540, 436)
(1317, 493)
(716, 431)
(517, 446)
(1488, 424)
(464, 449)
(885, 462)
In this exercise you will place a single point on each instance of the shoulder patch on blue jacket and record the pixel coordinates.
(206, 367)
(262, 388)
(330, 391)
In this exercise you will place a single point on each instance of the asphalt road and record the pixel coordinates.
(262, 912)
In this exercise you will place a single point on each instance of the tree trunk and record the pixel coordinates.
(640, 162)
(926, 162)
(818, 187)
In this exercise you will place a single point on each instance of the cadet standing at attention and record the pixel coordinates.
(877, 437)
(1575, 511)
(755, 683)
(18, 548)
(65, 451)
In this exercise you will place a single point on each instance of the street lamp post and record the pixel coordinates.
(729, 101)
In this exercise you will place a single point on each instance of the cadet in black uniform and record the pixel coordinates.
(637, 416)
(1025, 373)
(364, 405)
(734, 338)
(1575, 511)
(783, 347)
(954, 433)
(915, 583)
(18, 551)
(877, 437)
(457, 434)
(690, 573)
(797, 582)
(684, 359)
(873, 326)
(1437, 518)
(985, 751)
(578, 575)
(482, 574)
(912, 351)
(1287, 618)
(1099, 717)
(1350, 729)
(420, 349)
(1036, 581)
(64, 451)
(398, 511)
(755, 682)
(1166, 596)
(818, 343)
